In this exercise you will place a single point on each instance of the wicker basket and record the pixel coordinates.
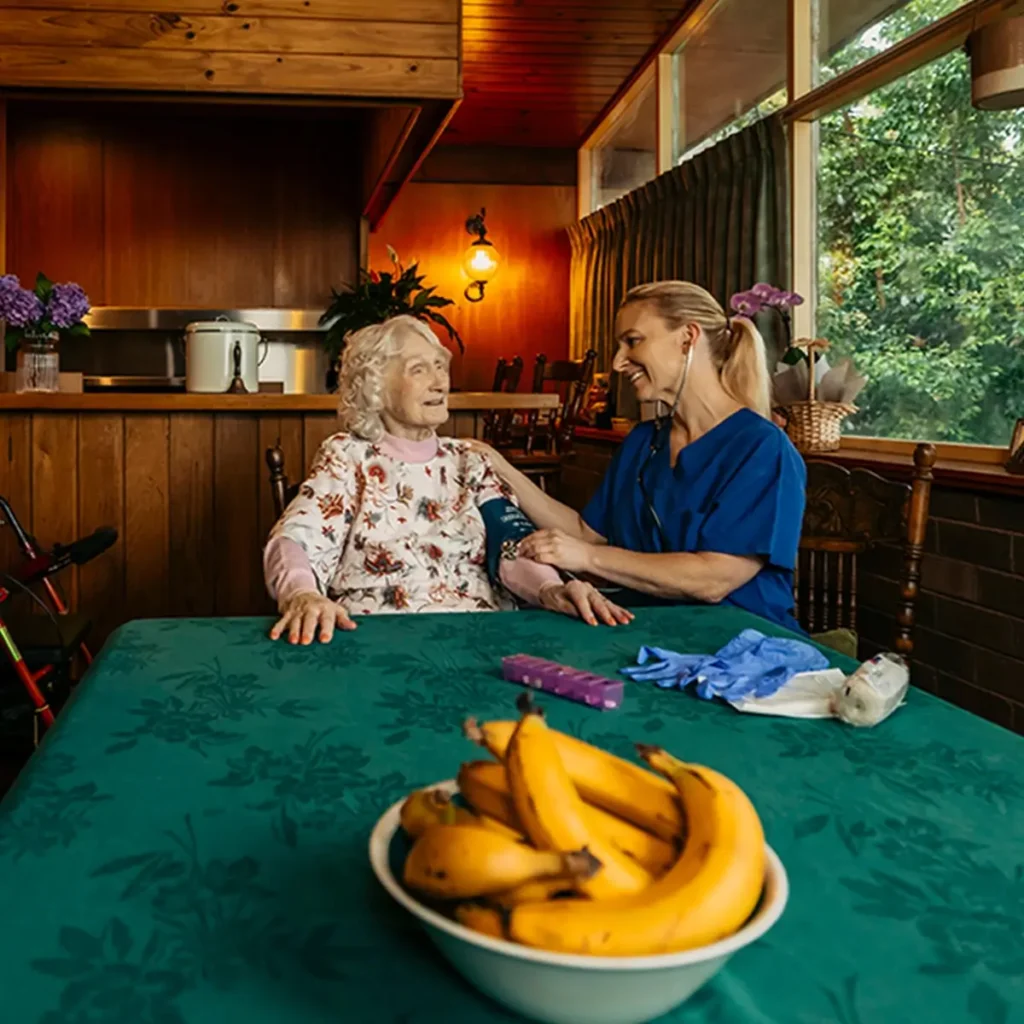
(815, 426)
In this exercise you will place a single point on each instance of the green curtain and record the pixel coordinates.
(719, 219)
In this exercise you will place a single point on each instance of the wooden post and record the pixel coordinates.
(917, 527)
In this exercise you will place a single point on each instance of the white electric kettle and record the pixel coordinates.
(210, 355)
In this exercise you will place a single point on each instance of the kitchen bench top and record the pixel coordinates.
(458, 401)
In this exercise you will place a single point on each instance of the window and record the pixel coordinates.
(730, 72)
(850, 33)
(921, 252)
(628, 156)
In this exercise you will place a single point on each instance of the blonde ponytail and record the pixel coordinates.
(744, 373)
(737, 348)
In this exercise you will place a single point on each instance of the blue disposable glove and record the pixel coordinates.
(663, 668)
(751, 664)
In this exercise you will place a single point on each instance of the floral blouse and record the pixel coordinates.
(383, 534)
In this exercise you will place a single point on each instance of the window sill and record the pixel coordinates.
(973, 467)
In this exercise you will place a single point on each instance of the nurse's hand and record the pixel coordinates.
(580, 600)
(307, 613)
(557, 548)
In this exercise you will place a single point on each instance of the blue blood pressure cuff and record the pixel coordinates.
(506, 526)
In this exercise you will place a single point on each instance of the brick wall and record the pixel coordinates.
(969, 639)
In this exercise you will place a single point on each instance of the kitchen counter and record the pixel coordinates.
(459, 401)
(183, 478)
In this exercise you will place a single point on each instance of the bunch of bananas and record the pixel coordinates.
(568, 848)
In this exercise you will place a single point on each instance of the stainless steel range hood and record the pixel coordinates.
(131, 318)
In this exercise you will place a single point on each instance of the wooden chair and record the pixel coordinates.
(847, 513)
(549, 437)
(498, 423)
(281, 491)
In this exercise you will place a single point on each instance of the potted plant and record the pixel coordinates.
(34, 320)
(378, 297)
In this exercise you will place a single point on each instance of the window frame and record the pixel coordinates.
(807, 103)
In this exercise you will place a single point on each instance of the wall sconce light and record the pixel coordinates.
(481, 260)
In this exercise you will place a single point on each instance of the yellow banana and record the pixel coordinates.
(484, 784)
(426, 807)
(552, 813)
(501, 828)
(481, 918)
(708, 894)
(604, 780)
(535, 892)
(462, 862)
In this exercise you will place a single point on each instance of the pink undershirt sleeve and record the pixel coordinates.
(286, 569)
(525, 578)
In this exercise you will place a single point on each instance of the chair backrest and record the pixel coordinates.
(281, 491)
(574, 378)
(498, 423)
(849, 511)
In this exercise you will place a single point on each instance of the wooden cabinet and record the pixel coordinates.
(183, 478)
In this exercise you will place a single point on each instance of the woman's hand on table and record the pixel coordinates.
(307, 613)
(581, 600)
(557, 548)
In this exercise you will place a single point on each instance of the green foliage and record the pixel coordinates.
(921, 203)
(380, 296)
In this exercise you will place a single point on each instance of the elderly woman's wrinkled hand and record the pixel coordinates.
(305, 614)
(583, 601)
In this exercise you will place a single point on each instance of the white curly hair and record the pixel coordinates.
(364, 366)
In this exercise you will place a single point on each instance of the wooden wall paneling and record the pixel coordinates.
(316, 428)
(4, 185)
(147, 215)
(316, 213)
(385, 132)
(198, 71)
(146, 515)
(55, 487)
(526, 308)
(230, 204)
(192, 540)
(15, 480)
(101, 582)
(237, 556)
(216, 33)
(55, 199)
(317, 10)
(285, 431)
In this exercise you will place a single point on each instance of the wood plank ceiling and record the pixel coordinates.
(537, 72)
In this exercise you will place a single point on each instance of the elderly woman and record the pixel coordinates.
(390, 518)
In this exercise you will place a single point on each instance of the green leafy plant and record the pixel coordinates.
(380, 296)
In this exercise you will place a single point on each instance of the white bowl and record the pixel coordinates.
(563, 988)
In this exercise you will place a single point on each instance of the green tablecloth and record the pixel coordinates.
(189, 845)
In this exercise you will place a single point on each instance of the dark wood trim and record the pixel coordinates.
(434, 117)
(972, 476)
(499, 165)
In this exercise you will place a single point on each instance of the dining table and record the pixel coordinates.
(188, 845)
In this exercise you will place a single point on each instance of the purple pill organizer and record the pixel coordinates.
(571, 683)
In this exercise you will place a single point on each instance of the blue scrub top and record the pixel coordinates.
(737, 490)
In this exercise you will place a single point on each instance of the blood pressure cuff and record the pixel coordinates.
(506, 526)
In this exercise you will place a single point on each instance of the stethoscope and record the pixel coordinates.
(659, 438)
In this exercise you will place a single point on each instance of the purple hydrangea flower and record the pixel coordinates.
(68, 304)
(18, 306)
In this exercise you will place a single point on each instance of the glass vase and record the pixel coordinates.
(38, 364)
